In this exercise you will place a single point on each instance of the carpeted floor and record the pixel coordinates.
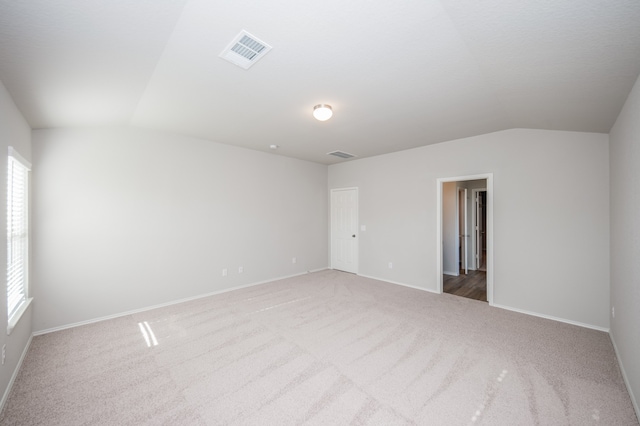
(325, 348)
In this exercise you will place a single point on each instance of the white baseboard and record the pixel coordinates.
(522, 311)
(399, 283)
(634, 401)
(50, 330)
(162, 305)
(455, 274)
(567, 321)
(15, 374)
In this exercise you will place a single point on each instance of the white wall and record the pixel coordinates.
(556, 180)
(126, 219)
(625, 239)
(14, 131)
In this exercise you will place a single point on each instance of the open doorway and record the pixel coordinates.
(465, 219)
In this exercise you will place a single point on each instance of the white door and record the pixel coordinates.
(479, 228)
(462, 229)
(344, 229)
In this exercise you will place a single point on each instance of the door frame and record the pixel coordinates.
(357, 226)
(489, 230)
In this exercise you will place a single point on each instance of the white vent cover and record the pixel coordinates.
(341, 154)
(245, 50)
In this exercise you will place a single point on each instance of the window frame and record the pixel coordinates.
(16, 162)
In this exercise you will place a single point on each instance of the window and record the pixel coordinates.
(17, 237)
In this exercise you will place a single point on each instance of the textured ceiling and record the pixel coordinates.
(398, 74)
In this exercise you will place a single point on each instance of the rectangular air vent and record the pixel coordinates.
(245, 50)
(341, 154)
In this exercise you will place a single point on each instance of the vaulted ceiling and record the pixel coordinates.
(398, 74)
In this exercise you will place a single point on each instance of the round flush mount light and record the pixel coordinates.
(274, 146)
(322, 112)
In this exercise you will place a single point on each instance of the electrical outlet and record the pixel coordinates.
(294, 260)
(224, 272)
(240, 269)
(613, 312)
(4, 353)
(390, 265)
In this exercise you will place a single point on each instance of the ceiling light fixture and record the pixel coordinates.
(322, 112)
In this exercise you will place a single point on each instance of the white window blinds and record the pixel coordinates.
(17, 233)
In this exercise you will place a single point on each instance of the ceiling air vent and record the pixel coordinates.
(341, 154)
(245, 50)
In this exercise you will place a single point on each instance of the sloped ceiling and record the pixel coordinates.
(398, 74)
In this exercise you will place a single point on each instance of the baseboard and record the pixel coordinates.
(15, 374)
(163, 305)
(535, 314)
(455, 274)
(634, 401)
(399, 283)
(522, 311)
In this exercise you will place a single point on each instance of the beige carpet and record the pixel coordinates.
(326, 348)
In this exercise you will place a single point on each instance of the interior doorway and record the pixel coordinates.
(465, 250)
